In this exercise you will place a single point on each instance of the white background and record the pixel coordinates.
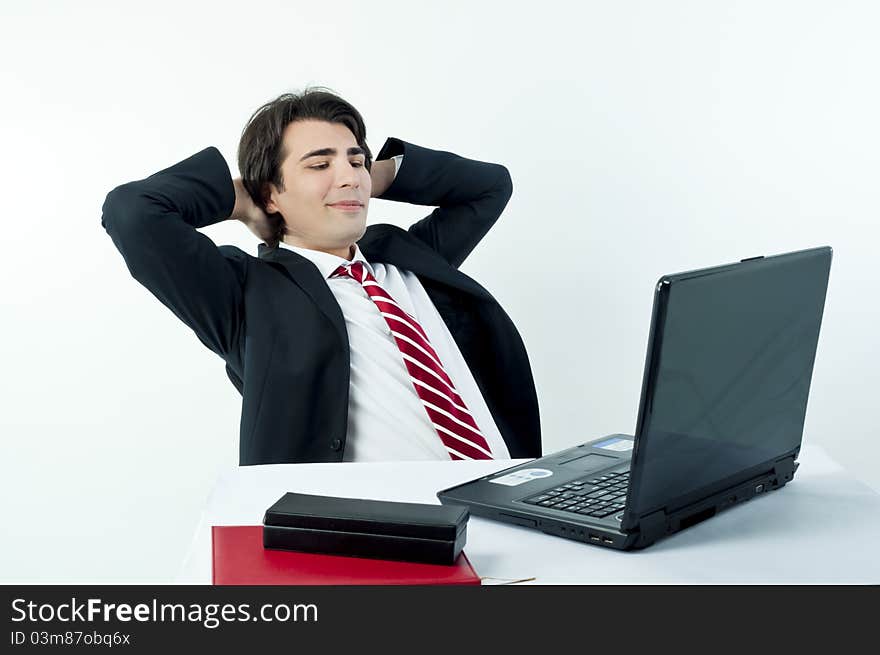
(643, 138)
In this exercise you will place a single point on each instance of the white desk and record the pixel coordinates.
(822, 528)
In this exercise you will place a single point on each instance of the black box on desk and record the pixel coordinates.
(378, 529)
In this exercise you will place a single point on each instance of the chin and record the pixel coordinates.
(357, 235)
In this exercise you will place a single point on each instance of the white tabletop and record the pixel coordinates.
(822, 528)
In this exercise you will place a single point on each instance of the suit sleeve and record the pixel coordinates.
(153, 222)
(469, 195)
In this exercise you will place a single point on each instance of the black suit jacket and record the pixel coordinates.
(277, 325)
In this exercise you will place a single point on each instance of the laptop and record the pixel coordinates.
(724, 394)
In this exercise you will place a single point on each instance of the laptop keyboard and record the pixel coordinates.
(597, 497)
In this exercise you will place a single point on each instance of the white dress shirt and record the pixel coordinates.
(386, 418)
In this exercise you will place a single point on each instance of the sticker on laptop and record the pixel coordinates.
(615, 443)
(521, 477)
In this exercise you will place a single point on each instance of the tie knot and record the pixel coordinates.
(355, 270)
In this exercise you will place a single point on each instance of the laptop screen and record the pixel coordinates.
(728, 375)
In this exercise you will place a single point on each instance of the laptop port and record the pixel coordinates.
(607, 540)
(594, 537)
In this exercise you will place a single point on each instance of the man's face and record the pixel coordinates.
(323, 169)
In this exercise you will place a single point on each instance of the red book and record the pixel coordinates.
(240, 559)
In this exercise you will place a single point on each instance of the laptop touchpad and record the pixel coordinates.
(586, 462)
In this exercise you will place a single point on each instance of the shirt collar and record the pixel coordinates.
(326, 262)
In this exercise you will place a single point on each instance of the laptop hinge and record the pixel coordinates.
(784, 470)
(651, 528)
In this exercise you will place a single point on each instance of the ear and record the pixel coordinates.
(269, 197)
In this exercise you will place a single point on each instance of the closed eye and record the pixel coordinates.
(319, 167)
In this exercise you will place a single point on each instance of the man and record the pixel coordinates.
(347, 343)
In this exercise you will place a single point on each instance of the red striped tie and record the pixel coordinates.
(454, 424)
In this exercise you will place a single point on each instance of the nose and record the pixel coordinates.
(348, 176)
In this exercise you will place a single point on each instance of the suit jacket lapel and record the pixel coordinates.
(306, 275)
(393, 245)
(381, 243)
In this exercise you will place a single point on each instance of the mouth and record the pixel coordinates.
(347, 206)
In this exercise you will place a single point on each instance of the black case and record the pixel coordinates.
(412, 532)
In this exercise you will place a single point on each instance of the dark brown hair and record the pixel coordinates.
(261, 148)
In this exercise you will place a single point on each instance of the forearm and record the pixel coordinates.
(442, 179)
(469, 196)
(197, 190)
